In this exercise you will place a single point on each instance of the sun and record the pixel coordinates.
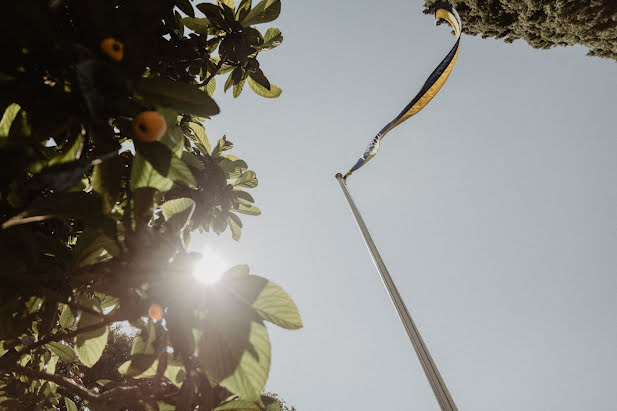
(210, 268)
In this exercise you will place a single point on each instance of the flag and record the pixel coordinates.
(432, 85)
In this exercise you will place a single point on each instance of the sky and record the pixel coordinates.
(494, 210)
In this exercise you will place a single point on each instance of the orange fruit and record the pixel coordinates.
(149, 126)
(155, 312)
(113, 48)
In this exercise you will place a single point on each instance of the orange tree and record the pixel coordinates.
(106, 170)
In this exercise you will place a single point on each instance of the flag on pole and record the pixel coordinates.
(432, 85)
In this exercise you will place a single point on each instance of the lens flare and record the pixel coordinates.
(210, 268)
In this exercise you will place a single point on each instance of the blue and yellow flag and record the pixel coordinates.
(432, 85)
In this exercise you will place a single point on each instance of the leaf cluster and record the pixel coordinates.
(96, 223)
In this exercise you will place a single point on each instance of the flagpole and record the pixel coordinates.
(428, 365)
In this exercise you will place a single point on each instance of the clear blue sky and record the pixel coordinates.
(495, 210)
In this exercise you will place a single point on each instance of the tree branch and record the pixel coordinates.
(216, 70)
(69, 385)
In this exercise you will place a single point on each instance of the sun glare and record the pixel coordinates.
(210, 268)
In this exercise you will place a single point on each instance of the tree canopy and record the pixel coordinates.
(542, 23)
(105, 171)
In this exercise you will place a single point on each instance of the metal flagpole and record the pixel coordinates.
(428, 365)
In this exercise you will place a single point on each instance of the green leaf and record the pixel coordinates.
(64, 352)
(228, 3)
(238, 88)
(240, 270)
(243, 9)
(235, 225)
(243, 195)
(238, 405)
(249, 378)
(260, 90)
(174, 136)
(273, 38)
(7, 119)
(163, 406)
(176, 206)
(143, 174)
(142, 366)
(232, 168)
(264, 12)
(199, 25)
(178, 213)
(221, 145)
(107, 181)
(248, 179)
(248, 209)
(211, 86)
(67, 319)
(200, 133)
(94, 246)
(275, 305)
(186, 7)
(175, 372)
(180, 96)
(192, 160)
(70, 405)
(90, 345)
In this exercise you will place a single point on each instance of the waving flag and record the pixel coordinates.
(432, 85)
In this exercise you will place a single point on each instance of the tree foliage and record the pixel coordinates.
(542, 23)
(96, 218)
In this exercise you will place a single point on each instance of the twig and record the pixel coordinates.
(22, 219)
(216, 70)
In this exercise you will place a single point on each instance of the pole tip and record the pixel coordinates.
(338, 176)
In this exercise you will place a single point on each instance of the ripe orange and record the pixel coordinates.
(113, 48)
(149, 126)
(155, 312)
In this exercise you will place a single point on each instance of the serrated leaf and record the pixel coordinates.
(260, 90)
(264, 12)
(275, 305)
(64, 352)
(248, 179)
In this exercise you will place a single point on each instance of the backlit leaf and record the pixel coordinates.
(274, 91)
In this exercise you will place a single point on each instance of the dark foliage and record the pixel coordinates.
(542, 23)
